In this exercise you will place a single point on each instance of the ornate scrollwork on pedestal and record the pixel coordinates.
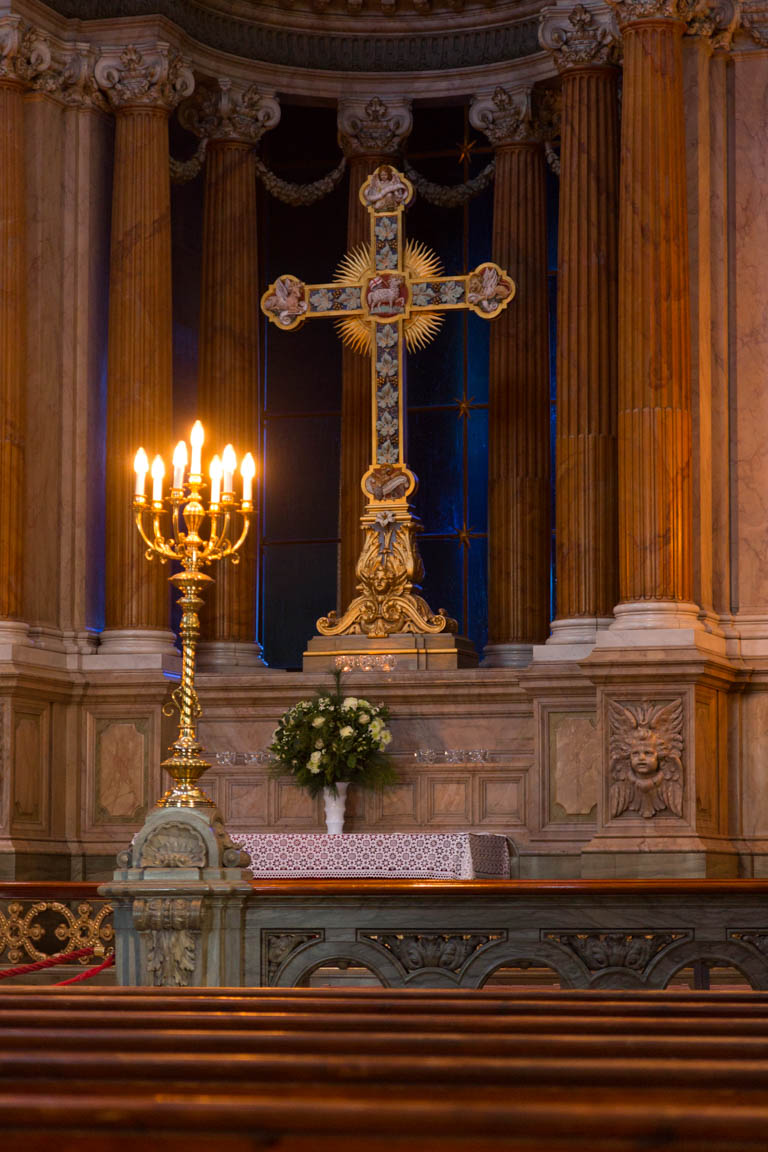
(171, 930)
(388, 570)
(646, 748)
(173, 846)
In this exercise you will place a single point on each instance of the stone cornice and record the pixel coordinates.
(403, 49)
(510, 116)
(579, 36)
(373, 127)
(143, 75)
(230, 110)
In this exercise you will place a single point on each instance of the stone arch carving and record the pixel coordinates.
(729, 953)
(570, 970)
(303, 964)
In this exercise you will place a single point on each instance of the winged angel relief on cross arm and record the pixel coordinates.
(646, 748)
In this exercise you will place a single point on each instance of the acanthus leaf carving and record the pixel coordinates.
(447, 950)
(645, 750)
(144, 76)
(516, 115)
(600, 950)
(579, 37)
(373, 127)
(230, 111)
(171, 927)
(278, 946)
(24, 51)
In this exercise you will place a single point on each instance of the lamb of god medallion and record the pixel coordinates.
(387, 297)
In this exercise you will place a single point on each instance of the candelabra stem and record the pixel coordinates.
(186, 764)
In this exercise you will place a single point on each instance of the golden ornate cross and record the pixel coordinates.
(388, 296)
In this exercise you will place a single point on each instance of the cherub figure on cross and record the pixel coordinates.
(388, 296)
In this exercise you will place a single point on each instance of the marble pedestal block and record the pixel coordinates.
(179, 894)
(401, 652)
(662, 806)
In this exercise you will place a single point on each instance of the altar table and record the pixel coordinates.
(411, 855)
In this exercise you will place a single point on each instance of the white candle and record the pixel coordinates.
(229, 464)
(216, 471)
(158, 471)
(197, 438)
(248, 470)
(140, 467)
(179, 464)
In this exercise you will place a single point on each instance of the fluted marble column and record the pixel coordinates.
(370, 133)
(21, 55)
(655, 512)
(583, 43)
(143, 84)
(233, 118)
(518, 449)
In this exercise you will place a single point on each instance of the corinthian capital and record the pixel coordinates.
(717, 21)
(230, 111)
(373, 127)
(144, 76)
(580, 36)
(631, 11)
(24, 52)
(69, 77)
(516, 116)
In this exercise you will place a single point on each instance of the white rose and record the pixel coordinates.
(350, 702)
(363, 703)
(363, 718)
(314, 762)
(319, 744)
(318, 722)
(385, 738)
(376, 726)
(346, 731)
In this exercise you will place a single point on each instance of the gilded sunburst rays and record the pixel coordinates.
(421, 263)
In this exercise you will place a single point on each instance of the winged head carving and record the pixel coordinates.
(646, 750)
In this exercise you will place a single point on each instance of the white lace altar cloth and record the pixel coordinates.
(410, 855)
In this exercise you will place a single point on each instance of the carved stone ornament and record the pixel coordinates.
(754, 19)
(646, 748)
(373, 127)
(630, 11)
(230, 111)
(516, 116)
(717, 21)
(173, 846)
(633, 950)
(70, 78)
(171, 927)
(278, 946)
(24, 52)
(146, 76)
(579, 38)
(447, 950)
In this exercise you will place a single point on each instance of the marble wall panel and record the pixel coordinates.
(293, 809)
(396, 808)
(448, 800)
(753, 708)
(500, 800)
(572, 759)
(710, 803)
(246, 801)
(31, 770)
(119, 749)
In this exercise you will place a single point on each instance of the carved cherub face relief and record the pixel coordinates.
(646, 745)
(644, 756)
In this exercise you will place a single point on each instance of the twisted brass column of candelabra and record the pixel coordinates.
(185, 544)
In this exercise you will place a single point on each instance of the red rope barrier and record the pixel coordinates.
(88, 973)
(51, 962)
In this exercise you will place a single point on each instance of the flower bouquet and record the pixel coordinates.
(333, 741)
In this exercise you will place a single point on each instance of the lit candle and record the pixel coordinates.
(197, 437)
(158, 471)
(140, 467)
(229, 464)
(216, 471)
(179, 464)
(248, 470)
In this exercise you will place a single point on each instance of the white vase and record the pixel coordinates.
(334, 807)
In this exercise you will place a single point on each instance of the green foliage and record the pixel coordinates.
(332, 738)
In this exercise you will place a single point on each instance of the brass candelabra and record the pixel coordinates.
(184, 543)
